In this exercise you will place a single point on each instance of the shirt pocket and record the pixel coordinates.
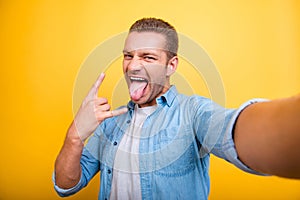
(175, 152)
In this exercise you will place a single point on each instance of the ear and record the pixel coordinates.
(172, 65)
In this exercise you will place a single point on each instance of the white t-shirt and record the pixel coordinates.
(126, 177)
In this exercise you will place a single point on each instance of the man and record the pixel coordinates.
(158, 146)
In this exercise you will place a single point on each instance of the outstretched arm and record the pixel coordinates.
(92, 112)
(267, 137)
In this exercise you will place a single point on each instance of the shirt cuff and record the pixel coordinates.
(66, 192)
(229, 148)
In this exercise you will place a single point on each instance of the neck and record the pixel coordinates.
(153, 101)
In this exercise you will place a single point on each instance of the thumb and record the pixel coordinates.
(118, 112)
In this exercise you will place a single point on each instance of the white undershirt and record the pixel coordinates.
(126, 177)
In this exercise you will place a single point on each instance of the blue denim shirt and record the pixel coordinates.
(175, 144)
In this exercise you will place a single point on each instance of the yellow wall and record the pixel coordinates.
(255, 46)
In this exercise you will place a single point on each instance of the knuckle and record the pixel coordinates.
(105, 107)
(104, 100)
(99, 117)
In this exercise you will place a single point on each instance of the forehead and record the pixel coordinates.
(144, 40)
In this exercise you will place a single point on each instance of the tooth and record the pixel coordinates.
(137, 79)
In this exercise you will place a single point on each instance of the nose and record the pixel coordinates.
(135, 64)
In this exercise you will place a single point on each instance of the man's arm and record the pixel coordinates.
(267, 137)
(92, 112)
(67, 165)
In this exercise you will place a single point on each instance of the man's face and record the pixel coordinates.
(145, 66)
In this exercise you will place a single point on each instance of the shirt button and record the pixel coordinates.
(128, 121)
(115, 143)
(109, 171)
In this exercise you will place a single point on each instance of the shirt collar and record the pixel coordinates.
(166, 98)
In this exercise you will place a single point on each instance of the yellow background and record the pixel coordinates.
(254, 44)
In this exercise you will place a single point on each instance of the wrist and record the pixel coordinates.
(73, 136)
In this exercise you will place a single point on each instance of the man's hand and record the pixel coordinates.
(93, 111)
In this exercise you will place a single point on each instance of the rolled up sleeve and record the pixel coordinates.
(215, 132)
(229, 146)
(89, 167)
(67, 192)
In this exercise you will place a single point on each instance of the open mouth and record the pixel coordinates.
(139, 79)
(137, 87)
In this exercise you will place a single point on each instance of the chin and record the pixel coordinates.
(143, 102)
(139, 102)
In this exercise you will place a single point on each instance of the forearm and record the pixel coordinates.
(267, 137)
(67, 165)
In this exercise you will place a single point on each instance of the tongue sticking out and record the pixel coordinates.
(137, 89)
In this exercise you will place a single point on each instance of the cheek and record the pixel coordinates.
(156, 70)
(127, 81)
(157, 73)
(124, 65)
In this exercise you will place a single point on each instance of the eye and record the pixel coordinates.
(149, 58)
(127, 57)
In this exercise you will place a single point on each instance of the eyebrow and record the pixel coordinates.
(125, 52)
(144, 52)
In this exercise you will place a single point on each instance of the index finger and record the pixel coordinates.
(94, 90)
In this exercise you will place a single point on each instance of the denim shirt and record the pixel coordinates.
(175, 144)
